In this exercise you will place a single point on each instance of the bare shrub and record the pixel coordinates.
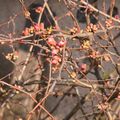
(64, 64)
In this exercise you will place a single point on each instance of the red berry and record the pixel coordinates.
(37, 27)
(54, 52)
(51, 41)
(54, 62)
(117, 16)
(42, 26)
(21, 41)
(39, 9)
(83, 68)
(61, 43)
(26, 32)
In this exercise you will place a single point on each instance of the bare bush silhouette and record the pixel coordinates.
(64, 65)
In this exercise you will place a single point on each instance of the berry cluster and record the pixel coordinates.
(117, 16)
(12, 56)
(94, 54)
(86, 44)
(35, 28)
(56, 49)
(108, 23)
(74, 30)
(92, 27)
